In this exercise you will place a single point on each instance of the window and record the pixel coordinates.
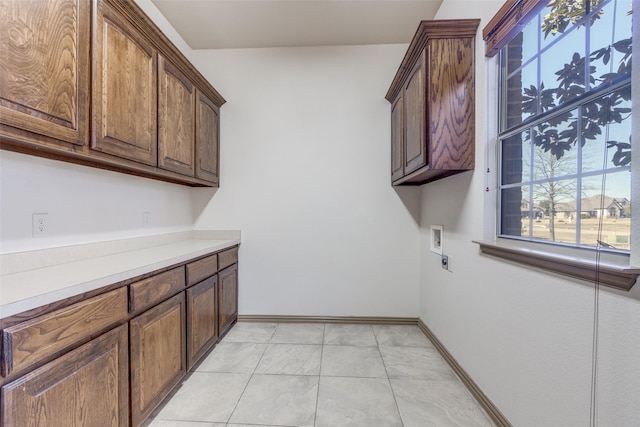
(564, 137)
(565, 126)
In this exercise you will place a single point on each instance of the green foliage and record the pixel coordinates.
(560, 133)
(564, 12)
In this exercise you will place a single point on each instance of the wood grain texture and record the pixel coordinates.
(155, 289)
(201, 269)
(452, 104)
(228, 297)
(437, 82)
(227, 257)
(176, 119)
(508, 22)
(85, 387)
(44, 68)
(207, 139)
(124, 89)
(202, 319)
(146, 27)
(95, 106)
(157, 352)
(397, 138)
(415, 147)
(429, 30)
(30, 342)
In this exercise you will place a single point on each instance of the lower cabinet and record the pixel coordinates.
(202, 319)
(110, 360)
(85, 387)
(157, 348)
(228, 279)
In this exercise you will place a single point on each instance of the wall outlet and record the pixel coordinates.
(444, 262)
(146, 219)
(39, 224)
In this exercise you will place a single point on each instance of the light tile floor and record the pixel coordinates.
(293, 375)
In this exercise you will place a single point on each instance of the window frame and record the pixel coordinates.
(614, 269)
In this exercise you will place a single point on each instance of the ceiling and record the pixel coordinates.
(225, 24)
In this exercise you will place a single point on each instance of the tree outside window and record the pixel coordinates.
(565, 140)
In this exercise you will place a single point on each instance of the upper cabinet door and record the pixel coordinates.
(397, 138)
(44, 69)
(176, 117)
(124, 89)
(451, 92)
(415, 155)
(207, 139)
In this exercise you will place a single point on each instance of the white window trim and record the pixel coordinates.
(615, 270)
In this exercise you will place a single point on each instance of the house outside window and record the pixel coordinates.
(565, 127)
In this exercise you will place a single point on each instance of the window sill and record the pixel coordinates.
(613, 274)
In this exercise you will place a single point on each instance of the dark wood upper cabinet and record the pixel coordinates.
(45, 70)
(415, 147)
(124, 88)
(176, 119)
(433, 104)
(207, 139)
(397, 138)
(97, 83)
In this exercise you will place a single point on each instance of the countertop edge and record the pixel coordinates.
(74, 278)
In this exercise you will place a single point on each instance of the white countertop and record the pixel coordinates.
(26, 290)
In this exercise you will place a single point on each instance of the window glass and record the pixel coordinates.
(565, 141)
(516, 152)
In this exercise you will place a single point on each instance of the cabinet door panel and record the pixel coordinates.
(85, 387)
(397, 138)
(157, 355)
(176, 103)
(451, 105)
(228, 279)
(124, 89)
(207, 139)
(202, 319)
(415, 119)
(44, 68)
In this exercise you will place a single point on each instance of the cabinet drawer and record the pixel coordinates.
(155, 289)
(227, 258)
(199, 270)
(28, 343)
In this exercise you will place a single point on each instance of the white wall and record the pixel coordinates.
(305, 176)
(523, 335)
(83, 204)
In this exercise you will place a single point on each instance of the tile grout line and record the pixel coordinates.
(393, 393)
(315, 413)
(251, 376)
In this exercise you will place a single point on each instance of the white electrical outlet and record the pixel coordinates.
(40, 225)
(146, 219)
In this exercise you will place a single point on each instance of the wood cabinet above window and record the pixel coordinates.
(433, 104)
(152, 113)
